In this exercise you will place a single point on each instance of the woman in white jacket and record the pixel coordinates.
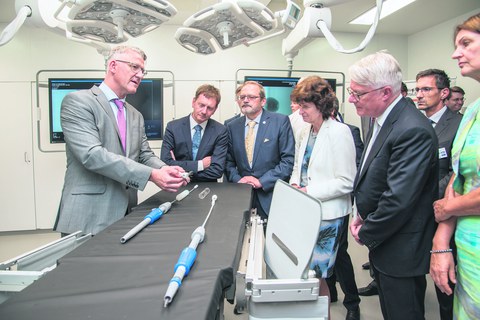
(324, 168)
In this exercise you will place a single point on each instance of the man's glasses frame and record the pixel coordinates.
(135, 67)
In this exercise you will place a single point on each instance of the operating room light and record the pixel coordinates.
(97, 23)
(388, 7)
(225, 25)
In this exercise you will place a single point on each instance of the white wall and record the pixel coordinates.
(33, 50)
(433, 48)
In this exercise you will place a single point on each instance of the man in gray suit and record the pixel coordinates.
(265, 157)
(107, 161)
(432, 89)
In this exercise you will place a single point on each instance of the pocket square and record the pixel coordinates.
(266, 140)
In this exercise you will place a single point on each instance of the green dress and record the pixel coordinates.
(466, 165)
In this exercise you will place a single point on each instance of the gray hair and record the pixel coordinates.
(123, 49)
(377, 70)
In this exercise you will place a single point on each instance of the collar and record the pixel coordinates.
(109, 92)
(381, 118)
(257, 119)
(437, 115)
(193, 123)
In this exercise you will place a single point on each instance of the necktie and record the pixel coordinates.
(196, 140)
(250, 140)
(122, 124)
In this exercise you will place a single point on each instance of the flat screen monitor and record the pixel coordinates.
(278, 89)
(148, 100)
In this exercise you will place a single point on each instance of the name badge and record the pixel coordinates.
(442, 153)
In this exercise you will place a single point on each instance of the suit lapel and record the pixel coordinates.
(380, 139)
(442, 124)
(105, 104)
(186, 134)
(261, 132)
(238, 133)
(206, 137)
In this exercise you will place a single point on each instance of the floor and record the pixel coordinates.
(13, 244)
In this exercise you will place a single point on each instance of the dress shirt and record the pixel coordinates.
(437, 115)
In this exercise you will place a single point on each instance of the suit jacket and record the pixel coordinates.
(331, 169)
(357, 139)
(100, 181)
(446, 130)
(214, 143)
(273, 154)
(395, 190)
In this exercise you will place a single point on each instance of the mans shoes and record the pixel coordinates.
(366, 265)
(353, 314)
(369, 290)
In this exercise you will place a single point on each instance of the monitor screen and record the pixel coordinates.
(277, 91)
(148, 100)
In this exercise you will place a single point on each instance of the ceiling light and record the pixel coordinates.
(388, 7)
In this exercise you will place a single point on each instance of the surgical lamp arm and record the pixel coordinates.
(315, 23)
(338, 47)
(9, 32)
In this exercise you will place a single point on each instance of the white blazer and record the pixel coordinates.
(331, 170)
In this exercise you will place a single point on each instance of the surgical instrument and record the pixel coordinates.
(187, 258)
(155, 214)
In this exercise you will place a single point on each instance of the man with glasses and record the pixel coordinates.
(196, 142)
(261, 147)
(108, 155)
(395, 187)
(455, 99)
(432, 89)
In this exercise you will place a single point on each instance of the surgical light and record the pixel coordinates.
(225, 25)
(94, 22)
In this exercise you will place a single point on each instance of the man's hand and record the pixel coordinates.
(254, 182)
(169, 178)
(355, 226)
(442, 269)
(207, 161)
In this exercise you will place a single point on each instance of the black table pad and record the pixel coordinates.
(104, 279)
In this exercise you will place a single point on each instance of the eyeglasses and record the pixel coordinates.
(135, 67)
(358, 95)
(248, 97)
(426, 89)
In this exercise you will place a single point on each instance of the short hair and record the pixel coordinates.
(404, 88)
(456, 89)
(123, 49)
(208, 91)
(262, 89)
(471, 24)
(441, 77)
(318, 91)
(377, 70)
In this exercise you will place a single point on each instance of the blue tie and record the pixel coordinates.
(196, 140)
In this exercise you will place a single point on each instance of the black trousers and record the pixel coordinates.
(343, 271)
(401, 297)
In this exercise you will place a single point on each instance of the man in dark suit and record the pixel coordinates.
(261, 146)
(195, 142)
(432, 89)
(108, 155)
(343, 271)
(455, 99)
(395, 187)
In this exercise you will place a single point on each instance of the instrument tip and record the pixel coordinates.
(166, 302)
